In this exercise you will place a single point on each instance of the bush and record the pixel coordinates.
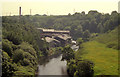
(7, 47)
(18, 55)
(68, 53)
(25, 71)
(44, 51)
(8, 68)
(85, 69)
(28, 48)
(15, 38)
(30, 58)
(5, 56)
(25, 62)
(113, 45)
(80, 68)
(71, 67)
(79, 41)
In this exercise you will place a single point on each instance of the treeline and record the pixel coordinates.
(80, 24)
(21, 47)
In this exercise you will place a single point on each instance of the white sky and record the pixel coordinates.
(57, 7)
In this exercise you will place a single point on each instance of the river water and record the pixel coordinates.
(53, 67)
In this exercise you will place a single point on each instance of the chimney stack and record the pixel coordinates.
(30, 11)
(19, 11)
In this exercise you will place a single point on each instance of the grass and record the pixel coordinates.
(103, 51)
(104, 58)
(110, 39)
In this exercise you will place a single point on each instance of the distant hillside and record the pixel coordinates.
(110, 38)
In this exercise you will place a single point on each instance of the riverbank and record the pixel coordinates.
(104, 58)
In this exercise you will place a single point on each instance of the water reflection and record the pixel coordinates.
(53, 66)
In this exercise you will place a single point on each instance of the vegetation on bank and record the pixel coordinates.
(21, 47)
(110, 39)
(99, 56)
(103, 52)
(77, 67)
(105, 59)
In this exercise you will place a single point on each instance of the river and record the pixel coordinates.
(53, 65)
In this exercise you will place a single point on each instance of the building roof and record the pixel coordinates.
(64, 36)
(48, 39)
(53, 30)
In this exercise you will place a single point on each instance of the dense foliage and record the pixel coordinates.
(80, 24)
(21, 47)
(80, 68)
(75, 67)
(68, 53)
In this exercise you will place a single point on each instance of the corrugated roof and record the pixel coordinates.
(64, 37)
(48, 39)
(53, 30)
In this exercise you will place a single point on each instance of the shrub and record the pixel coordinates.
(80, 68)
(7, 47)
(5, 56)
(68, 53)
(79, 41)
(71, 67)
(30, 58)
(85, 69)
(26, 62)
(28, 48)
(18, 55)
(15, 38)
(8, 68)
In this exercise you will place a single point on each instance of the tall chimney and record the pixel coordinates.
(30, 11)
(19, 11)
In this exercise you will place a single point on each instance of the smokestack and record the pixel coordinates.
(30, 11)
(73, 10)
(19, 11)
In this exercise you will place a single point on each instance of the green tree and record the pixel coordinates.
(79, 41)
(7, 47)
(86, 35)
(68, 53)
(18, 55)
(8, 68)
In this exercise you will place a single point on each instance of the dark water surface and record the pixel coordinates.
(53, 66)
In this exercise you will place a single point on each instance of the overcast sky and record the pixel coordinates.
(56, 7)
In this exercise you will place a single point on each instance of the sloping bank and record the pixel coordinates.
(21, 47)
(92, 59)
(105, 59)
(77, 67)
(96, 57)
